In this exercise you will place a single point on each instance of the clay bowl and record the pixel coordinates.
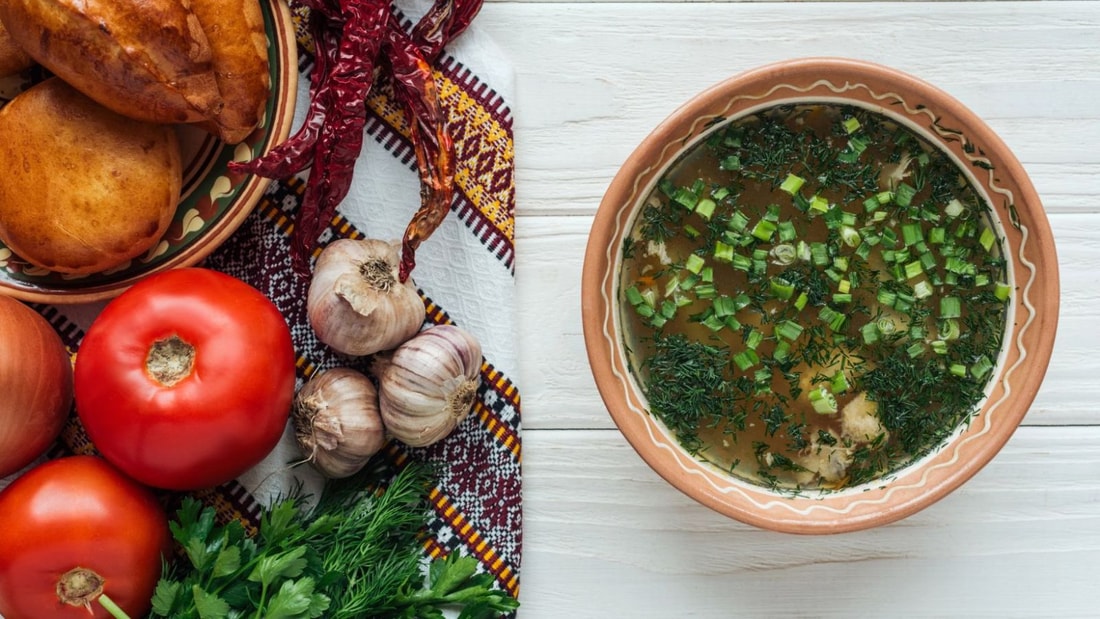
(214, 200)
(1016, 215)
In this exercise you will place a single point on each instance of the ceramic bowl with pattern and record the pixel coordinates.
(1031, 294)
(214, 202)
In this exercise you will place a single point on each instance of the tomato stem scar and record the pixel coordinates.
(170, 360)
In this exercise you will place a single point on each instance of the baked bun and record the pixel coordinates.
(82, 189)
(12, 57)
(146, 59)
(238, 43)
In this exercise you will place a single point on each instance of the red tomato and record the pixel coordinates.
(185, 380)
(72, 514)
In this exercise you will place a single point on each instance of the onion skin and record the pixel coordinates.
(36, 383)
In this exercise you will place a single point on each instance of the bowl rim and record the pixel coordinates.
(839, 512)
(249, 191)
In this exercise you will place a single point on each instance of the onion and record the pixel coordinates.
(36, 385)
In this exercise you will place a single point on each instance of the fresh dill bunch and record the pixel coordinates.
(357, 553)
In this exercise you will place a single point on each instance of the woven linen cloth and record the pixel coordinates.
(465, 274)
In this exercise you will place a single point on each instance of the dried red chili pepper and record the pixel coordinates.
(414, 86)
(444, 21)
(348, 35)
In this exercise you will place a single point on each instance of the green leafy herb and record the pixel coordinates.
(356, 554)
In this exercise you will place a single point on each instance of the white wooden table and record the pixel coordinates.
(604, 536)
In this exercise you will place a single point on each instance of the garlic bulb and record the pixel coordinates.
(427, 386)
(356, 303)
(336, 421)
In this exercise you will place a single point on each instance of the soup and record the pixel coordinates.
(813, 296)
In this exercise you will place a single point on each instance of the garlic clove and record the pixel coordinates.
(427, 386)
(337, 422)
(356, 303)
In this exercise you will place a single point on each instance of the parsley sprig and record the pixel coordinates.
(356, 554)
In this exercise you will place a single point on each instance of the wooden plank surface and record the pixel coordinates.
(604, 536)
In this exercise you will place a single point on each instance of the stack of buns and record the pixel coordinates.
(90, 168)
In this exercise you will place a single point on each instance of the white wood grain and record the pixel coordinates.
(603, 535)
(594, 79)
(606, 537)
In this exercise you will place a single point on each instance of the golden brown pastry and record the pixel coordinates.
(12, 57)
(146, 59)
(235, 29)
(83, 189)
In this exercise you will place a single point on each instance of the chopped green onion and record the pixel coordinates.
(981, 367)
(937, 235)
(746, 359)
(645, 311)
(721, 193)
(939, 347)
(694, 263)
(840, 298)
(886, 325)
(788, 330)
(913, 269)
(782, 351)
(705, 291)
(884, 197)
(685, 198)
(783, 254)
(831, 317)
(958, 369)
(949, 329)
(870, 333)
(787, 231)
(851, 124)
(723, 306)
(987, 238)
(743, 263)
(781, 288)
(733, 162)
(691, 231)
(819, 253)
(723, 252)
(1002, 291)
(840, 382)
(950, 307)
(800, 302)
(911, 234)
(705, 208)
(633, 296)
(764, 230)
(903, 195)
(824, 403)
(668, 309)
(792, 184)
(753, 339)
(871, 204)
(738, 221)
(849, 236)
(915, 350)
(886, 297)
(819, 204)
(844, 286)
(922, 289)
(954, 208)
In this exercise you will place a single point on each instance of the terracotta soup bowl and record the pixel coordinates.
(820, 296)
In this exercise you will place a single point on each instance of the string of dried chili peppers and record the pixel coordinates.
(351, 37)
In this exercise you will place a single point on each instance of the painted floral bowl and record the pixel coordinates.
(648, 399)
(214, 202)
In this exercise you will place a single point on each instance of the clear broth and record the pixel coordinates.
(832, 355)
